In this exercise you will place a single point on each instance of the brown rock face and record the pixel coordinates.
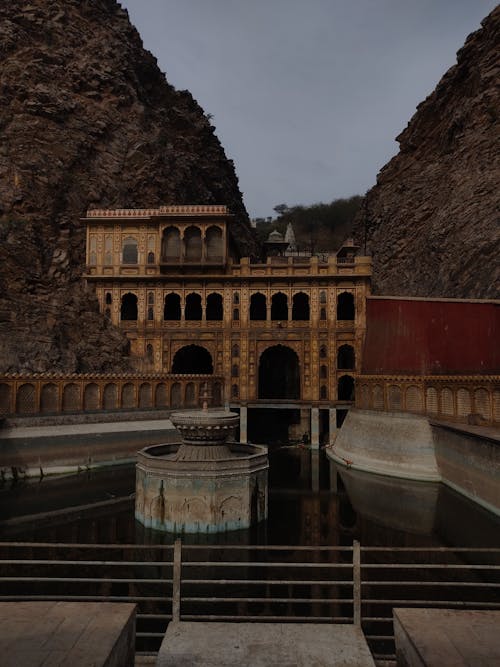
(431, 222)
(87, 120)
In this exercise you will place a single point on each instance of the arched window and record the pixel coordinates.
(172, 308)
(322, 314)
(236, 299)
(258, 306)
(214, 307)
(345, 306)
(151, 257)
(235, 350)
(235, 371)
(93, 251)
(323, 392)
(151, 314)
(300, 307)
(193, 309)
(171, 245)
(192, 244)
(345, 357)
(323, 372)
(128, 309)
(149, 353)
(234, 391)
(213, 241)
(108, 250)
(322, 352)
(151, 298)
(322, 297)
(109, 299)
(129, 251)
(236, 314)
(279, 306)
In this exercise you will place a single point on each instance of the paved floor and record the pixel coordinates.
(191, 644)
(441, 637)
(84, 429)
(79, 634)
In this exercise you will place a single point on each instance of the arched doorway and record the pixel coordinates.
(279, 373)
(345, 388)
(193, 359)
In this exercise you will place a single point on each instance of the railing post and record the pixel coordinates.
(356, 582)
(176, 582)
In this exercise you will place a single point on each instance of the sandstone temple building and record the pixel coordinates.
(287, 332)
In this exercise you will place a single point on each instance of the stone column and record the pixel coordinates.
(315, 428)
(332, 425)
(243, 423)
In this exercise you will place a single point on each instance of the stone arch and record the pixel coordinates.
(414, 400)
(172, 307)
(217, 394)
(190, 395)
(213, 244)
(482, 403)
(145, 400)
(378, 397)
(193, 309)
(91, 397)
(345, 306)
(161, 398)
(49, 398)
(394, 397)
(279, 306)
(71, 398)
(5, 398)
(279, 373)
(110, 397)
(364, 396)
(447, 406)
(192, 244)
(171, 244)
(130, 252)
(176, 395)
(215, 308)
(193, 359)
(25, 399)
(346, 359)
(300, 307)
(431, 400)
(128, 310)
(345, 388)
(258, 306)
(128, 396)
(464, 402)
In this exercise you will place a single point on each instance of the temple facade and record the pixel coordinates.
(289, 329)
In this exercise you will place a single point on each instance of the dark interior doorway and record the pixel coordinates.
(193, 359)
(279, 373)
(346, 388)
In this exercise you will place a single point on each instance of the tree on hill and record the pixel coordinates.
(319, 227)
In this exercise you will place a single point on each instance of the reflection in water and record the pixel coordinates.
(305, 508)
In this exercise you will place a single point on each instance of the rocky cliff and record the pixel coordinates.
(86, 120)
(431, 221)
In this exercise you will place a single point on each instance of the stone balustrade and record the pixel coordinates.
(160, 211)
(466, 398)
(52, 394)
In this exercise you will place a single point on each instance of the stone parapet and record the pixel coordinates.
(472, 399)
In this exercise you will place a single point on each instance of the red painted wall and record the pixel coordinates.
(422, 337)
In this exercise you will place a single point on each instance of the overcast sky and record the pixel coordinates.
(307, 96)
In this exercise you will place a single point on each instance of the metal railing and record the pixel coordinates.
(339, 584)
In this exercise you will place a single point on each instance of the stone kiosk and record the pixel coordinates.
(203, 484)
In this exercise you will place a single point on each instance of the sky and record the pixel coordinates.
(307, 96)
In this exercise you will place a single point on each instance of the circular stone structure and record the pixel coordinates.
(203, 484)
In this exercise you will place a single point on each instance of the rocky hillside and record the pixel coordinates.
(432, 221)
(86, 120)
